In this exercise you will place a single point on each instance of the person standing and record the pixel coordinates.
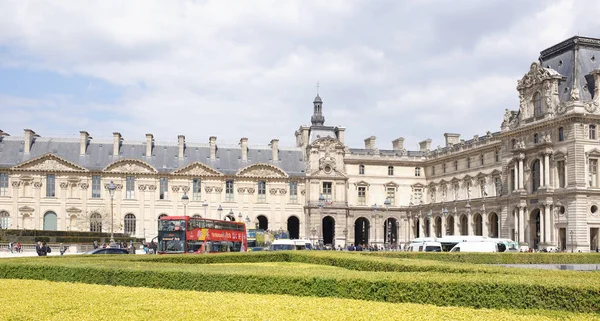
(39, 249)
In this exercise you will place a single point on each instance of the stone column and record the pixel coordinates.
(457, 225)
(469, 224)
(484, 224)
(521, 224)
(410, 227)
(516, 223)
(548, 224)
(423, 221)
(520, 173)
(443, 220)
(546, 170)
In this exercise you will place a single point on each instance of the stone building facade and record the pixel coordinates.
(535, 181)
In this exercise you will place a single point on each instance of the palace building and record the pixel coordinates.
(536, 180)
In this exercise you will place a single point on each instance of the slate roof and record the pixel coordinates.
(386, 152)
(164, 155)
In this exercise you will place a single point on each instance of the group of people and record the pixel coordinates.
(42, 248)
(364, 247)
(15, 247)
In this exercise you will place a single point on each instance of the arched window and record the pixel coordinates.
(537, 104)
(162, 215)
(4, 220)
(197, 215)
(129, 224)
(95, 222)
(361, 169)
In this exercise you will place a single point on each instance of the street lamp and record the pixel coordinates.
(220, 210)
(387, 204)
(205, 205)
(240, 217)
(231, 215)
(572, 245)
(345, 231)
(111, 190)
(185, 200)
(247, 220)
(444, 217)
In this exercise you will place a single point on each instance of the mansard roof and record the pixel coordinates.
(164, 155)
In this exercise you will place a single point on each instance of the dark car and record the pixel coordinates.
(107, 251)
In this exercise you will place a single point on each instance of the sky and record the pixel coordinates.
(232, 69)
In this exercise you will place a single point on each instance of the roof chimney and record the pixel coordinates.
(370, 142)
(340, 133)
(451, 139)
(149, 144)
(398, 143)
(29, 136)
(425, 145)
(181, 145)
(83, 142)
(213, 148)
(275, 149)
(244, 145)
(117, 138)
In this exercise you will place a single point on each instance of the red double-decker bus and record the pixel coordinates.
(184, 234)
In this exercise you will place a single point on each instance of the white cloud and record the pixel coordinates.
(249, 68)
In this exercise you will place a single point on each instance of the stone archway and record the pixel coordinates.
(230, 218)
(477, 225)
(263, 222)
(390, 231)
(328, 230)
(293, 227)
(437, 226)
(450, 225)
(534, 229)
(361, 231)
(493, 225)
(464, 225)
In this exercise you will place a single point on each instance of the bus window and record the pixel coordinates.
(210, 224)
(218, 226)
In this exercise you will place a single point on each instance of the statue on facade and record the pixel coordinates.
(444, 192)
(468, 191)
(456, 192)
(507, 115)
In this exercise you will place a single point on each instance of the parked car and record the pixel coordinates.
(107, 251)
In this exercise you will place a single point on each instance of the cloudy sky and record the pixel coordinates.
(413, 69)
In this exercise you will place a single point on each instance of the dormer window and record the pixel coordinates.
(537, 104)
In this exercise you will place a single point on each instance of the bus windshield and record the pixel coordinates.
(171, 241)
(282, 247)
(171, 225)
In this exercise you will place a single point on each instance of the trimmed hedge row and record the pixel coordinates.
(496, 258)
(480, 292)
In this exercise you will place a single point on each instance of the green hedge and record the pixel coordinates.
(474, 290)
(496, 258)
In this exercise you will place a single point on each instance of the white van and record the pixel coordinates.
(302, 245)
(424, 247)
(475, 247)
(282, 245)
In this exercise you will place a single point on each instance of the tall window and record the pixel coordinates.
(592, 131)
(560, 167)
(468, 162)
(95, 222)
(361, 169)
(481, 159)
(390, 170)
(417, 171)
(130, 187)
(391, 195)
(418, 195)
(262, 191)
(3, 184)
(433, 170)
(535, 172)
(229, 191)
(513, 182)
(593, 172)
(196, 189)
(455, 165)
(129, 224)
(293, 192)
(50, 185)
(444, 168)
(327, 191)
(96, 186)
(536, 138)
(497, 156)
(362, 195)
(561, 134)
(164, 188)
(537, 104)
(4, 220)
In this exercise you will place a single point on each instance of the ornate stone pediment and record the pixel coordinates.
(536, 75)
(197, 169)
(262, 171)
(26, 209)
(130, 166)
(328, 145)
(49, 163)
